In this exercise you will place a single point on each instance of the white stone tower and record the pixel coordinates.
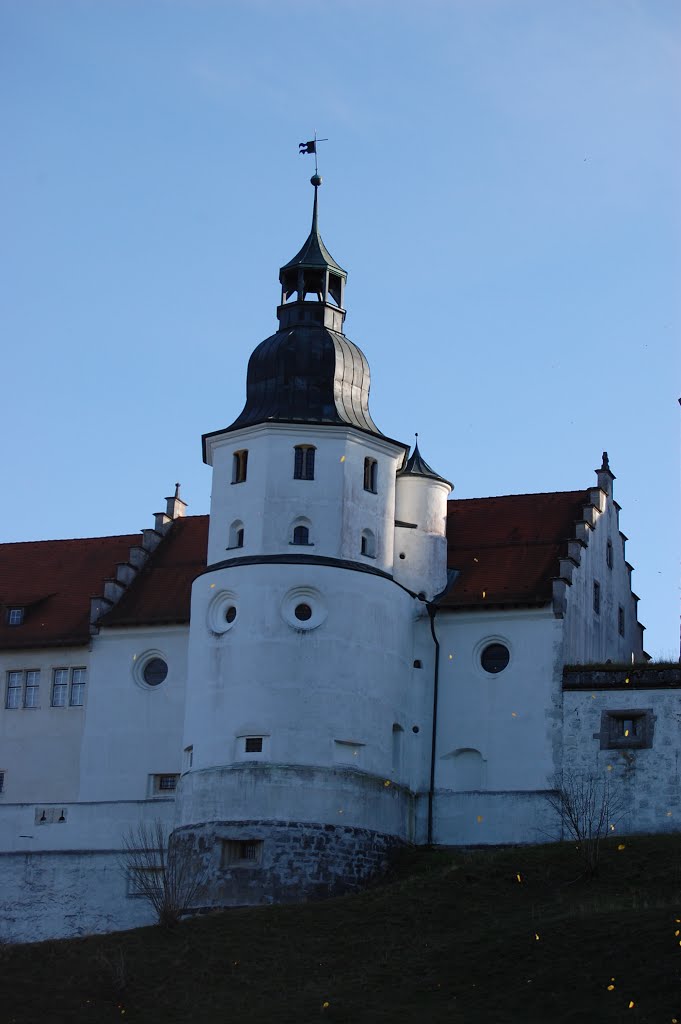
(302, 756)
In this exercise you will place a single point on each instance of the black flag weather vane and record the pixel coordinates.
(311, 147)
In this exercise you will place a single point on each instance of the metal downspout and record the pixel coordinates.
(432, 609)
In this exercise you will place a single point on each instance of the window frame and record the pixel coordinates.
(301, 530)
(612, 735)
(240, 466)
(304, 461)
(16, 615)
(371, 475)
(26, 692)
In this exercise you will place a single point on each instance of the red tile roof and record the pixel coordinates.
(162, 591)
(53, 580)
(507, 547)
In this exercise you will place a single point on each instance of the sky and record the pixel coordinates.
(501, 182)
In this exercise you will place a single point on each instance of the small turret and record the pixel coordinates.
(420, 526)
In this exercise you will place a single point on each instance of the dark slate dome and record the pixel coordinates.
(309, 372)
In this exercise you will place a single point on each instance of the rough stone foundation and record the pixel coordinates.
(245, 863)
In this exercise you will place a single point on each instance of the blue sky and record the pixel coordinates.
(501, 182)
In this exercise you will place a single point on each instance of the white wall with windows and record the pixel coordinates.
(303, 473)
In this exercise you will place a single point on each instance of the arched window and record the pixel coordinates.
(236, 534)
(301, 535)
(239, 466)
(303, 463)
(370, 475)
(368, 544)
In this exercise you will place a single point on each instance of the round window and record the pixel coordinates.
(154, 672)
(222, 612)
(303, 612)
(494, 658)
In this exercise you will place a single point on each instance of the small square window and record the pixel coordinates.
(253, 745)
(15, 616)
(167, 783)
(626, 729)
(241, 853)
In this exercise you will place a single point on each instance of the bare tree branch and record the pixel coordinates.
(161, 870)
(587, 808)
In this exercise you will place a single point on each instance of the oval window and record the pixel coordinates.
(230, 614)
(303, 612)
(155, 671)
(494, 658)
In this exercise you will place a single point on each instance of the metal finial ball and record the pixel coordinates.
(316, 180)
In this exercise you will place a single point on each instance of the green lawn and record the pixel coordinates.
(456, 936)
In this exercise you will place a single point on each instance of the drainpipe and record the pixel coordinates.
(432, 609)
(452, 576)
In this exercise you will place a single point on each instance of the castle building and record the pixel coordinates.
(340, 658)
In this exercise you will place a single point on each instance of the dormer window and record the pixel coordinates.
(239, 466)
(303, 465)
(15, 616)
(370, 475)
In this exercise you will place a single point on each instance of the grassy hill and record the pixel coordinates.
(495, 936)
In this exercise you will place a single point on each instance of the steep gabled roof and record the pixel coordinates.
(53, 580)
(507, 548)
(161, 594)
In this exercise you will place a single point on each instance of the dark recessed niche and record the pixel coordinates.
(303, 612)
(230, 614)
(417, 663)
(402, 555)
(414, 728)
(154, 672)
(495, 658)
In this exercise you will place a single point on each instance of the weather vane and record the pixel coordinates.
(311, 147)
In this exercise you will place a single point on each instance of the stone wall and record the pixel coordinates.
(255, 862)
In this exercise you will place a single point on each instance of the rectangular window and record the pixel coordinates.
(608, 555)
(60, 687)
(78, 678)
(2, 782)
(620, 620)
(23, 689)
(241, 853)
(370, 475)
(597, 598)
(239, 466)
(165, 784)
(15, 616)
(621, 730)
(188, 758)
(32, 692)
(15, 685)
(253, 745)
(303, 465)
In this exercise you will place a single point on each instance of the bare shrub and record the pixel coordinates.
(161, 870)
(588, 808)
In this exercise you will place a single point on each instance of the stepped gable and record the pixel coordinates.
(53, 581)
(509, 548)
(161, 594)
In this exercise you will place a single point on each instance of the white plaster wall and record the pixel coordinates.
(349, 679)
(62, 895)
(648, 780)
(270, 499)
(132, 730)
(592, 637)
(40, 747)
(512, 719)
(420, 561)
